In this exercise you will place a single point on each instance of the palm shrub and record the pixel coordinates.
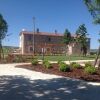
(75, 65)
(47, 64)
(64, 67)
(34, 61)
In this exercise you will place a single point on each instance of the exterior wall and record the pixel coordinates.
(48, 44)
(22, 44)
(76, 48)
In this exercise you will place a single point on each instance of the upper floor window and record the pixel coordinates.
(49, 39)
(29, 37)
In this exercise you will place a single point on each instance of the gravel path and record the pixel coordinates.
(23, 84)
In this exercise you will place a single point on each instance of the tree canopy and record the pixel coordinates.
(67, 37)
(94, 9)
(3, 27)
(3, 32)
(81, 37)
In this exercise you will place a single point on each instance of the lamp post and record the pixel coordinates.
(34, 36)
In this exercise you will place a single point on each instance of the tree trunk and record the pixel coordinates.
(67, 53)
(98, 53)
(99, 65)
(1, 51)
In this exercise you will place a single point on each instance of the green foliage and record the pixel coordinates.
(60, 61)
(3, 33)
(81, 34)
(88, 64)
(19, 59)
(67, 37)
(34, 61)
(94, 8)
(64, 67)
(47, 64)
(90, 70)
(81, 37)
(3, 27)
(75, 65)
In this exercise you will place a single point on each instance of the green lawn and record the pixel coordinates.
(65, 58)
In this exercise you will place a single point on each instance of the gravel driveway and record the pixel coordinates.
(23, 84)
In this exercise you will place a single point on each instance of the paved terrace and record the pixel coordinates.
(23, 84)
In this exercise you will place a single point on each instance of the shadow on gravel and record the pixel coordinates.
(20, 88)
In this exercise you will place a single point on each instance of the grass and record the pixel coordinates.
(66, 58)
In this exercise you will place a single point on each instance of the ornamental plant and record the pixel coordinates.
(90, 70)
(64, 67)
(47, 64)
(34, 62)
(75, 65)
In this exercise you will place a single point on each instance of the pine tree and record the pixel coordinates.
(81, 38)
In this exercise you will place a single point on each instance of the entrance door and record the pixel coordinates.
(48, 51)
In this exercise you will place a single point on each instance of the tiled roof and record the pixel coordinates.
(44, 33)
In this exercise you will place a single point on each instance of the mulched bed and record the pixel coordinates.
(75, 73)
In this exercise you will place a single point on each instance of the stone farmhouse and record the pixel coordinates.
(47, 43)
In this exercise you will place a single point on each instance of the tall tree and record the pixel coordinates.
(81, 38)
(3, 32)
(94, 8)
(67, 39)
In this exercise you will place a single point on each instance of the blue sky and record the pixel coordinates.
(49, 14)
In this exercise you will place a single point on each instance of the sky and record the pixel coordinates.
(50, 15)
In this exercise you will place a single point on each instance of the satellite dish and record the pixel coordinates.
(23, 29)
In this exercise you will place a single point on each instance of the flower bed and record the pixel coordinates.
(77, 73)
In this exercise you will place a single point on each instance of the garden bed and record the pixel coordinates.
(74, 73)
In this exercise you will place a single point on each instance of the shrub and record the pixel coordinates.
(75, 65)
(59, 61)
(87, 64)
(64, 67)
(10, 58)
(90, 70)
(34, 62)
(44, 61)
(19, 59)
(47, 64)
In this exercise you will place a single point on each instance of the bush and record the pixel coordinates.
(44, 61)
(34, 62)
(10, 58)
(87, 64)
(19, 59)
(75, 65)
(64, 67)
(47, 64)
(90, 70)
(59, 61)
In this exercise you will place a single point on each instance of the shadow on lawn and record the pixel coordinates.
(20, 88)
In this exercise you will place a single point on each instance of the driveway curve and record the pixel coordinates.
(23, 84)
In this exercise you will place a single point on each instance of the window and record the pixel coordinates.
(49, 39)
(31, 48)
(29, 37)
